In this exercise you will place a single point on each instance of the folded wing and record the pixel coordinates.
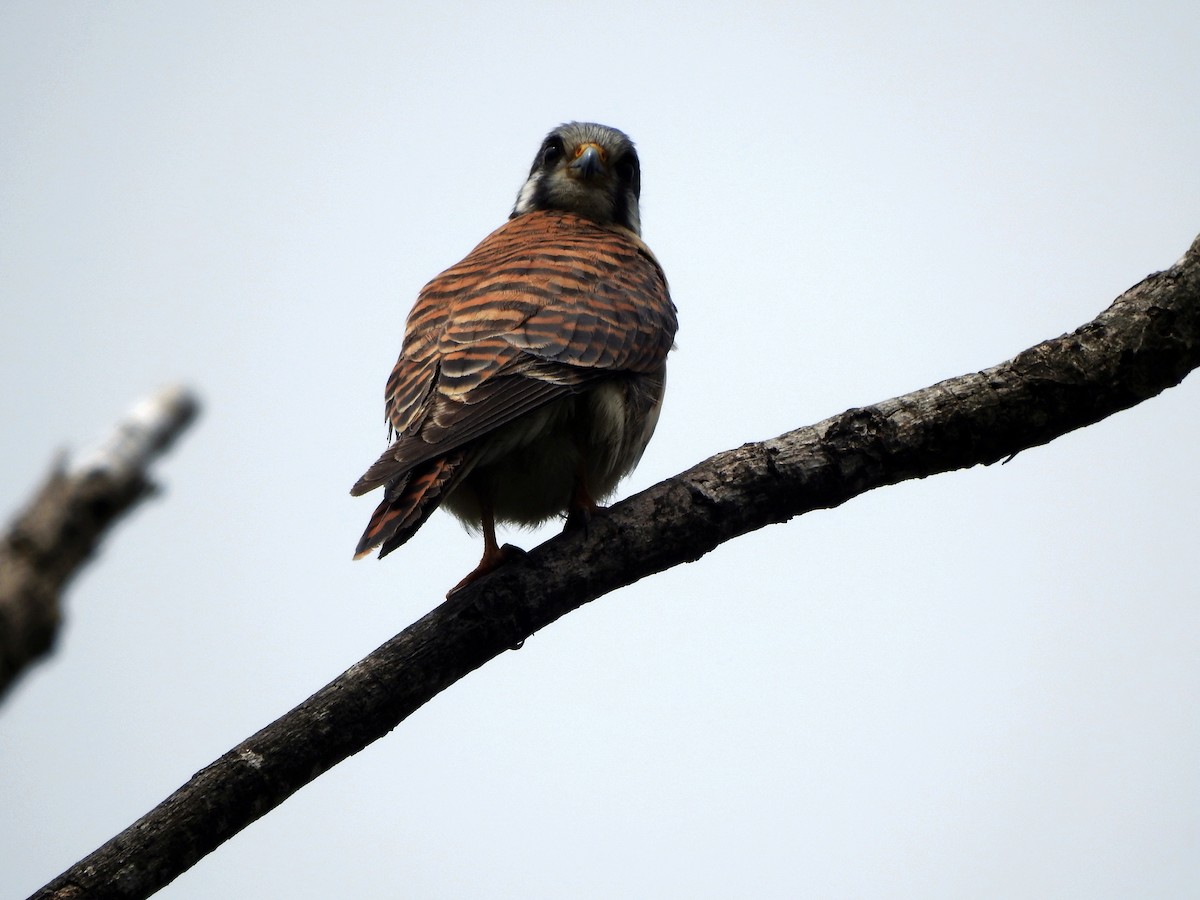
(545, 306)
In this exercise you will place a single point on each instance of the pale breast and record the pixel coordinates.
(530, 466)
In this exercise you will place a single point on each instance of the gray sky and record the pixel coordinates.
(982, 684)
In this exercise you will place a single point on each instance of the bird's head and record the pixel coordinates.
(588, 169)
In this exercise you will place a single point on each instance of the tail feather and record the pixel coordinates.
(385, 470)
(408, 502)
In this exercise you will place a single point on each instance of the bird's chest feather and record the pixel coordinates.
(530, 466)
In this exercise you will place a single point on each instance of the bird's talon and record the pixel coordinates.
(489, 564)
(582, 518)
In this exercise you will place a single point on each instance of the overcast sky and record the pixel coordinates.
(983, 684)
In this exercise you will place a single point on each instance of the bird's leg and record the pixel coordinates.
(583, 505)
(494, 555)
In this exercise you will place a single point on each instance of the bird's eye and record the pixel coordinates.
(627, 169)
(551, 152)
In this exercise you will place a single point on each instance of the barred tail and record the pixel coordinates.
(409, 500)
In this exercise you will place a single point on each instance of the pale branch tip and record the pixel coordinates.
(148, 429)
(60, 527)
(1145, 342)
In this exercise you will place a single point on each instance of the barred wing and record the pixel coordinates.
(547, 304)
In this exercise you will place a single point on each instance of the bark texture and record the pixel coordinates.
(66, 520)
(1146, 342)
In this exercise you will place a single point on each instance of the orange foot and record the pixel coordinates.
(492, 560)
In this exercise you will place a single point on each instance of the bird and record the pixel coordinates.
(532, 372)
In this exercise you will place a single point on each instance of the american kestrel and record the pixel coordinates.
(532, 372)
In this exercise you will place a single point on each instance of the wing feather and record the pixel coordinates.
(547, 304)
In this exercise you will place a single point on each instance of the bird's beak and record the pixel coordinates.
(588, 162)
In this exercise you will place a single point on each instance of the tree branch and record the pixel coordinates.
(64, 523)
(1146, 342)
